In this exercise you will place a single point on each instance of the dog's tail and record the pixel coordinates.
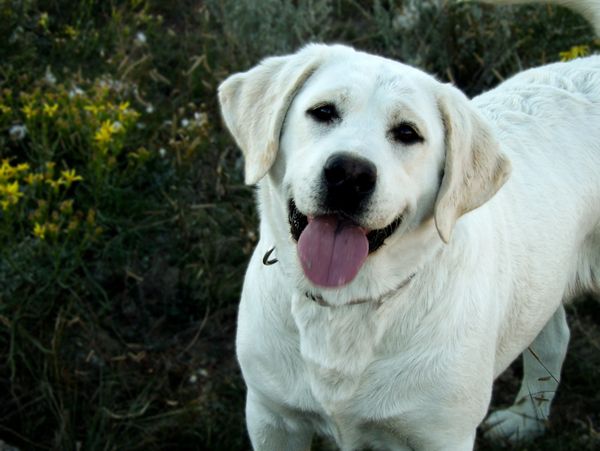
(590, 9)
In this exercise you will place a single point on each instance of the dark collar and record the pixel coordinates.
(317, 298)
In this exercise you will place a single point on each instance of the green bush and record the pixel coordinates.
(125, 226)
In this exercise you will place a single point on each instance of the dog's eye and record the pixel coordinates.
(324, 113)
(406, 134)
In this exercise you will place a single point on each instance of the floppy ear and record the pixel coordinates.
(474, 169)
(254, 105)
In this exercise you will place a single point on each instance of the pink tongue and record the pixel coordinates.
(332, 251)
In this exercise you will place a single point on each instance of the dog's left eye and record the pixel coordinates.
(324, 113)
(406, 134)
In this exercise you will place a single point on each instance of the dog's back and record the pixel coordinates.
(556, 105)
(550, 207)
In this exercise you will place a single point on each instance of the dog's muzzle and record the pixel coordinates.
(333, 245)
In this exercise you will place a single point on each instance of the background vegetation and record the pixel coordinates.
(125, 226)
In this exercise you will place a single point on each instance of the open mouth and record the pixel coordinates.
(332, 247)
(376, 238)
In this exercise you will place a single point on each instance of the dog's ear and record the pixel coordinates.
(474, 168)
(254, 105)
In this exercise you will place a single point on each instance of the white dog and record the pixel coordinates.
(422, 241)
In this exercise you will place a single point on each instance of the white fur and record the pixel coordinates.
(494, 256)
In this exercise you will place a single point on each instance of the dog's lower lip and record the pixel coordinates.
(297, 220)
(376, 238)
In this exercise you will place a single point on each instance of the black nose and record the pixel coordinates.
(349, 181)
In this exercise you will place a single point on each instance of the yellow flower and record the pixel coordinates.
(54, 184)
(576, 51)
(49, 169)
(106, 131)
(6, 170)
(68, 177)
(71, 32)
(11, 189)
(40, 212)
(94, 109)
(52, 228)
(50, 110)
(73, 225)
(29, 111)
(39, 230)
(91, 217)
(11, 192)
(43, 20)
(4, 109)
(66, 206)
(23, 167)
(124, 112)
(32, 178)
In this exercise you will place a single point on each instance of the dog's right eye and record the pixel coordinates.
(324, 113)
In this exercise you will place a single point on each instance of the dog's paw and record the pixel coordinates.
(513, 425)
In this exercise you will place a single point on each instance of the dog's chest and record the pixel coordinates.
(337, 345)
(343, 338)
(350, 373)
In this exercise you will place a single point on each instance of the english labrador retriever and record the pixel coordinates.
(413, 243)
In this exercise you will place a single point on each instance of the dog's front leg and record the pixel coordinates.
(542, 362)
(272, 430)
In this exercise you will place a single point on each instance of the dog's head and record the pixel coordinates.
(361, 150)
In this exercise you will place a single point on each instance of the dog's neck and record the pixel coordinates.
(317, 298)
